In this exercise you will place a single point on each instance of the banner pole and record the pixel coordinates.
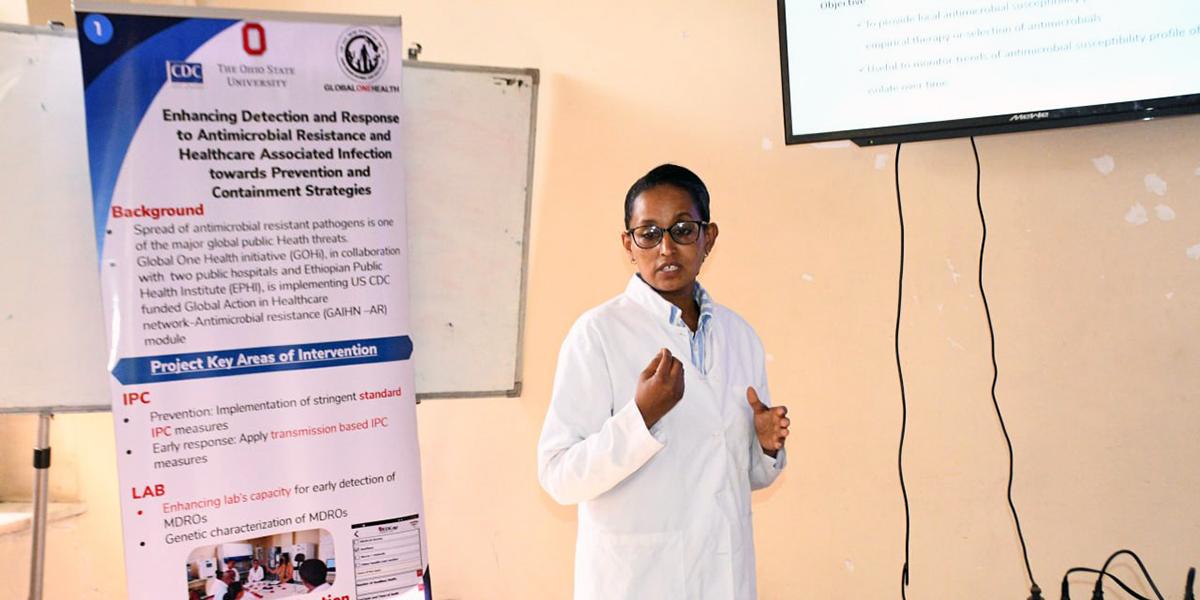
(41, 497)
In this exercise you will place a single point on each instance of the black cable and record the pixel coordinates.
(1150, 580)
(903, 398)
(995, 369)
(1103, 574)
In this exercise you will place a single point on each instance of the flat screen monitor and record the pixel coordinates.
(877, 71)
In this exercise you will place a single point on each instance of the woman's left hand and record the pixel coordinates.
(770, 423)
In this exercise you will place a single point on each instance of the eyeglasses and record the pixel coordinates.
(683, 232)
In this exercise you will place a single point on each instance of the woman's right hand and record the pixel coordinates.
(660, 387)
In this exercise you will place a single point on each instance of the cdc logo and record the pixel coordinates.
(184, 72)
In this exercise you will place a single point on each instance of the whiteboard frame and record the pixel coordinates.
(38, 30)
(535, 77)
(533, 74)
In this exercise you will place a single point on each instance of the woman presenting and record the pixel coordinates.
(659, 425)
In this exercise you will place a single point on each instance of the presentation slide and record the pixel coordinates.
(865, 64)
(248, 196)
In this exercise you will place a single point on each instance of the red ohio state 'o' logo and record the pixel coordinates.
(254, 39)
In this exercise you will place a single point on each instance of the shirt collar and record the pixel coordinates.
(642, 294)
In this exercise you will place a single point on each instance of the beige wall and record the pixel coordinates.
(45, 11)
(1096, 322)
(14, 12)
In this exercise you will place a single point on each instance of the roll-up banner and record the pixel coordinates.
(249, 208)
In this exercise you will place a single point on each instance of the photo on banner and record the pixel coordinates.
(267, 567)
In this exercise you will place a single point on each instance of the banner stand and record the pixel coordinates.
(41, 493)
(248, 195)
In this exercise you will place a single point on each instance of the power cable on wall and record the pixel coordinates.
(1034, 589)
(903, 397)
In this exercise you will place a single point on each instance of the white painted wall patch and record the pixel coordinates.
(954, 274)
(1136, 215)
(1156, 184)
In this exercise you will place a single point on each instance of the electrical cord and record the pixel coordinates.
(1102, 574)
(1035, 590)
(904, 573)
(903, 398)
(1141, 565)
(995, 368)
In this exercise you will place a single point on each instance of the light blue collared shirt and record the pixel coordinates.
(699, 338)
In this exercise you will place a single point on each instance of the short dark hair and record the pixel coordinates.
(235, 588)
(313, 572)
(673, 175)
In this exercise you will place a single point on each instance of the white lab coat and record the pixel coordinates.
(664, 513)
(217, 589)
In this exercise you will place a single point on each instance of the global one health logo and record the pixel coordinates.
(362, 54)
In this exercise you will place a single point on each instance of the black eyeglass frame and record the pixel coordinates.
(700, 225)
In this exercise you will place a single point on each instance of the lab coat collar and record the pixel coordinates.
(643, 295)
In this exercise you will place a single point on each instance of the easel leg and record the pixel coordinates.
(41, 497)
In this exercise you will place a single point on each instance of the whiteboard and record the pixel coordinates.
(469, 135)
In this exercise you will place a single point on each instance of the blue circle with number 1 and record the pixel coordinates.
(98, 29)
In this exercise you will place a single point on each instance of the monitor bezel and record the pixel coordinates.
(1048, 118)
